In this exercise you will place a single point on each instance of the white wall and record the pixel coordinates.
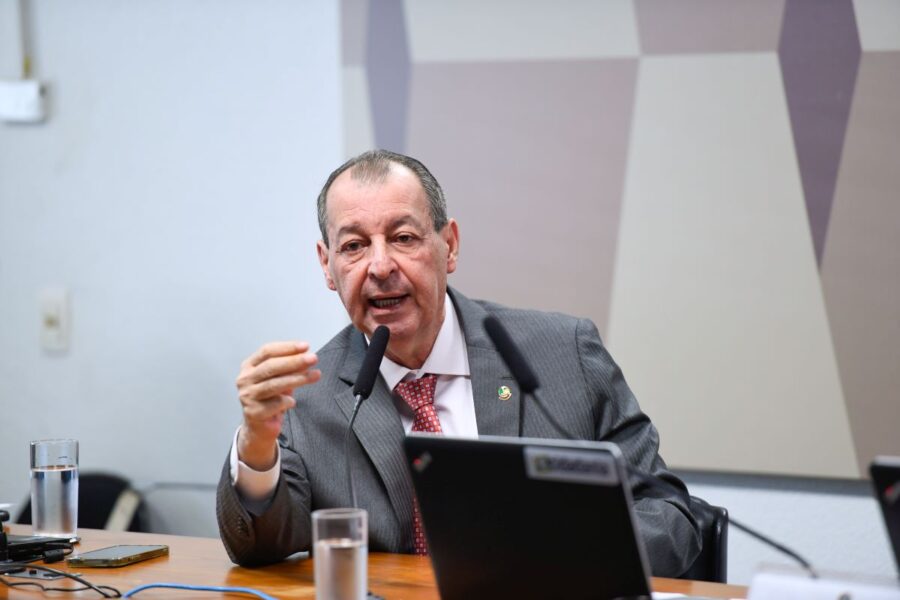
(835, 524)
(172, 192)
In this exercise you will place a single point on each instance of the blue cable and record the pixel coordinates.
(198, 588)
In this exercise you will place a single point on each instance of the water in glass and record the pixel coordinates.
(340, 569)
(54, 501)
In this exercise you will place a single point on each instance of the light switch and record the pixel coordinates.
(55, 318)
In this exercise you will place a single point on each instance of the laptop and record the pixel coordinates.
(527, 518)
(21, 548)
(885, 472)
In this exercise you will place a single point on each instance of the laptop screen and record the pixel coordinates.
(885, 471)
(527, 518)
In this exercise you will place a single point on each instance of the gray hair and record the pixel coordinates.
(373, 167)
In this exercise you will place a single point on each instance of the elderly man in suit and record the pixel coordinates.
(387, 248)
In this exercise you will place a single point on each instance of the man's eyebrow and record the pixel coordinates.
(405, 220)
(356, 228)
(348, 228)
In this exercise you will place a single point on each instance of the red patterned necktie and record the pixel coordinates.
(419, 395)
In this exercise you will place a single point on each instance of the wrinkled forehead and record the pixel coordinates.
(395, 188)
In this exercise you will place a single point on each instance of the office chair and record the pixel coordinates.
(712, 563)
(105, 501)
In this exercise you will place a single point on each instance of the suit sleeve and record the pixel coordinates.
(665, 522)
(263, 532)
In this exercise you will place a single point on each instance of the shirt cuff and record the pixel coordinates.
(258, 485)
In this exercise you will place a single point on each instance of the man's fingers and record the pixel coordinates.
(268, 412)
(273, 349)
(264, 390)
(275, 367)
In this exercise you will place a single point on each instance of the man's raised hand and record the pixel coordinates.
(265, 386)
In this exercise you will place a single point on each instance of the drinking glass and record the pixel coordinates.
(340, 553)
(54, 487)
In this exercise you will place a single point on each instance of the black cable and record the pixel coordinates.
(657, 482)
(55, 589)
(88, 585)
(752, 532)
(56, 551)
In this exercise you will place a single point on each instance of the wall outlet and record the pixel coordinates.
(22, 101)
(55, 319)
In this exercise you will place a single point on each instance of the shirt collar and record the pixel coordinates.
(448, 355)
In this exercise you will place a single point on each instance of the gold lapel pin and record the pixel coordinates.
(504, 393)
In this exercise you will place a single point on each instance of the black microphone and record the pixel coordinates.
(521, 372)
(365, 381)
(528, 383)
(368, 372)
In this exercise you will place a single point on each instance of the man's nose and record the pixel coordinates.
(381, 263)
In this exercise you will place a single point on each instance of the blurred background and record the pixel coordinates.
(713, 182)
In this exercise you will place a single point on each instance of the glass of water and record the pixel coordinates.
(340, 553)
(54, 487)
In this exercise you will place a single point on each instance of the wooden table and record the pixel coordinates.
(203, 561)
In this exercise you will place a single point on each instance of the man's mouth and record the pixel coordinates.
(386, 302)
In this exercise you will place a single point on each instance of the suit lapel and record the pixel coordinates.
(494, 415)
(380, 432)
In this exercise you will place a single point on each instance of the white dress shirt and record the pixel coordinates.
(453, 400)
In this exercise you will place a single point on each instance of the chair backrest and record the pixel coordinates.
(105, 501)
(712, 563)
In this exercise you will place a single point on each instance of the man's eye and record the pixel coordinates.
(405, 238)
(351, 247)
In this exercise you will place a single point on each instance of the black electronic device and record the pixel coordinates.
(527, 518)
(885, 472)
(117, 556)
(26, 548)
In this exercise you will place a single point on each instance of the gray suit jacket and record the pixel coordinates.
(580, 383)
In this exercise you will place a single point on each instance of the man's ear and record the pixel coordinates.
(451, 237)
(323, 261)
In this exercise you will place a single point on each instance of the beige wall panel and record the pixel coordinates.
(354, 31)
(472, 30)
(879, 24)
(667, 27)
(717, 316)
(357, 121)
(861, 263)
(532, 159)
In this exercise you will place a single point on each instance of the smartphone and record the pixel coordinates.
(117, 556)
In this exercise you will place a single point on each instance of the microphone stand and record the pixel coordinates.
(657, 482)
(359, 401)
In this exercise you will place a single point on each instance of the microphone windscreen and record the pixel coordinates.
(365, 381)
(521, 371)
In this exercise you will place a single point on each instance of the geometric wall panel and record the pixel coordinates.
(356, 123)
(819, 54)
(476, 125)
(861, 266)
(387, 66)
(879, 24)
(472, 30)
(354, 24)
(357, 111)
(713, 183)
(717, 308)
(708, 26)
